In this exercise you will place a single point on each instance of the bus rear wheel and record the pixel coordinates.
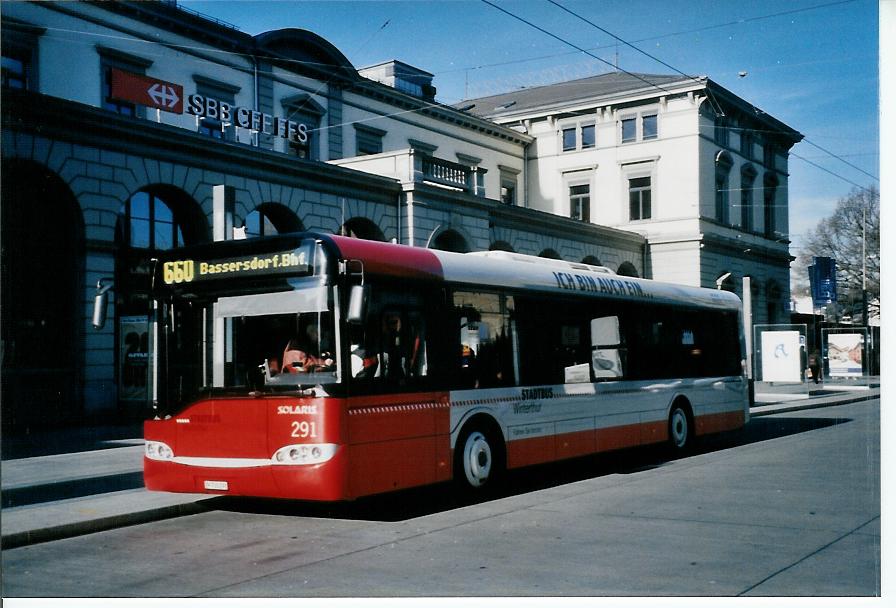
(681, 432)
(478, 459)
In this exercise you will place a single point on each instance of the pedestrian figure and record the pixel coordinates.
(815, 366)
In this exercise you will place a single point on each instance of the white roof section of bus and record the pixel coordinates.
(533, 259)
(549, 276)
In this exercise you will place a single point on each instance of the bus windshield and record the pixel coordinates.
(283, 341)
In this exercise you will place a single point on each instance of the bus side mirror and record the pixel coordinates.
(357, 304)
(101, 302)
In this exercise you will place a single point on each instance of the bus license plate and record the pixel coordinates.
(216, 485)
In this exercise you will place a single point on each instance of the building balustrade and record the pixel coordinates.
(421, 167)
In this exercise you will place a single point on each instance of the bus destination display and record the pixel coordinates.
(187, 270)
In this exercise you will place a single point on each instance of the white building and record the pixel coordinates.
(701, 173)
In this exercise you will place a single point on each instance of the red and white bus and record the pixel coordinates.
(328, 368)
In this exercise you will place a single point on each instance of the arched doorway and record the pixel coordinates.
(550, 254)
(591, 260)
(42, 299)
(501, 246)
(153, 219)
(362, 228)
(450, 240)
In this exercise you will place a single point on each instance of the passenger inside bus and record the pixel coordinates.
(307, 354)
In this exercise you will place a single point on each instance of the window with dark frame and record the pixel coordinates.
(722, 195)
(149, 223)
(309, 148)
(721, 132)
(15, 70)
(580, 202)
(20, 56)
(368, 141)
(220, 91)
(258, 224)
(508, 190)
(125, 108)
(114, 59)
(569, 139)
(746, 144)
(746, 200)
(589, 136)
(629, 129)
(648, 126)
(639, 198)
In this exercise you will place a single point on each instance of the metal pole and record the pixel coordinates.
(748, 324)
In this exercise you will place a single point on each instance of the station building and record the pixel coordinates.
(699, 172)
(134, 127)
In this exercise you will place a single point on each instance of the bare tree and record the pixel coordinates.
(852, 237)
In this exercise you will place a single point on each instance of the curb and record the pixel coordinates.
(781, 409)
(102, 524)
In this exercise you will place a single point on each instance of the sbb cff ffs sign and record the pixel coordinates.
(146, 91)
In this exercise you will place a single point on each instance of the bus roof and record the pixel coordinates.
(512, 271)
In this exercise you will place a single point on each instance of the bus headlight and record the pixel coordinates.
(307, 453)
(156, 450)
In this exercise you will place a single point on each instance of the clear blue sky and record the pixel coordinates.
(811, 63)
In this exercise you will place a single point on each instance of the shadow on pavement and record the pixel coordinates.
(418, 502)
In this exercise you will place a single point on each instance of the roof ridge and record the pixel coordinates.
(635, 75)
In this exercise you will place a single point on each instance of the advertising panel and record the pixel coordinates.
(845, 354)
(781, 356)
(133, 349)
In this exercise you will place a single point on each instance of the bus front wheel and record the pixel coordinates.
(478, 460)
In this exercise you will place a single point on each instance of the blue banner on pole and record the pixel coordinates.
(823, 281)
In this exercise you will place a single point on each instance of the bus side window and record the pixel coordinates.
(607, 354)
(402, 345)
(485, 345)
(573, 354)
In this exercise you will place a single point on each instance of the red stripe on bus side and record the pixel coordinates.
(716, 423)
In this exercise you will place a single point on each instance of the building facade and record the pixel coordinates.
(134, 127)
(699, 172)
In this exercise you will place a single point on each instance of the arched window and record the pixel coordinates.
(266, 220)
(147, 222)
(550, 254)
(500, 246)
(362, 228)
(258, 224)
(592, 260)
(627, 269)
(450, 240)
